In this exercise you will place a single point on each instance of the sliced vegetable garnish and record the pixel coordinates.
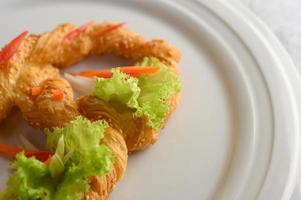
(26, 144)
(78, 148)
(156, 89)
(82, 85)
(58, 95)
(56, 162)
(10, 49)
(39, 155)
(30, 180)
(75, 33)
(108, 29)
(134, 71)
(147, 93)
(120, 88)
(36, 91)
(13, 151)
(66, 175)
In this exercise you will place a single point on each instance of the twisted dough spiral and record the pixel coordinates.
(37, 63)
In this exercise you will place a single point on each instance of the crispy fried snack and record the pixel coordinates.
(138, 135)
(33, 66)
(101, 187)
(30, 80)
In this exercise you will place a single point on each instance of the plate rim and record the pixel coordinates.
(234, 11)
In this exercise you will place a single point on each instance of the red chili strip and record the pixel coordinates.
(10, 49)
(13, 151)
(75, 33)
(108, 29)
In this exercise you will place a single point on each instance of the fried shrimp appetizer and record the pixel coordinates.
(119, 110)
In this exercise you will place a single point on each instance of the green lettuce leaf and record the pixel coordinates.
(147, 94)
(78, 156)
(80, 136)
(86, 157)
(120, 88)
(155, 91)
(31, 180)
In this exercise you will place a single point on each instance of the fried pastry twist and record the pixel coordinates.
(37, 63)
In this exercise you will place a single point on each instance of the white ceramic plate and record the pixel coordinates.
(235, 132)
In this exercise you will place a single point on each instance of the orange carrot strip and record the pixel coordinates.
(134, 71)
(8, 150)
(35, 91)
(13, 151)
(10, 49)
(138, 70)
(75, 33)
(58, 95)
(105, 73)
(108, 29)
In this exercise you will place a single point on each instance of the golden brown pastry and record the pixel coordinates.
(34, 63)
(135, 130)
(30, 80)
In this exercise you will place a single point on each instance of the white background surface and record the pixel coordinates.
(284, 18)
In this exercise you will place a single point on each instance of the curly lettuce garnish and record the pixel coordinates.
(120, 88)
(78, 156)
(146, 94)
(31, 180)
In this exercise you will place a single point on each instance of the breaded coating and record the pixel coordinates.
(10, 73)
(47, 51)
(121, 42)
(101, 187)
(135, 131)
